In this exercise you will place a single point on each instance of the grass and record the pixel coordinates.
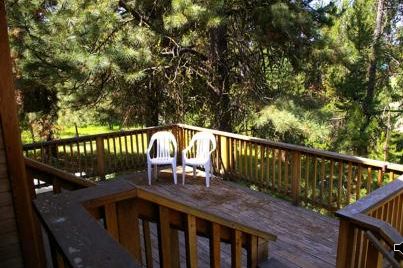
(69, 132)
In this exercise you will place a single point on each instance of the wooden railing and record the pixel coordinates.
(370, 227)
(127, 212)
(316, 178)
(45, 175)
(95, 155)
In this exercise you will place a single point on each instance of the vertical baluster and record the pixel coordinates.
(120, 153)
(307, 159)
(138, 157)
(132, 160)
(72, 164)
(236, 249)
(262, 162)
(286, 175)
(115, 156)
(126, 153)
(273, 170)
(369, 179)
(340, 184)
(215, 246)
(109, 167)
(349, 178)
(315, 176)
(93, 159)
(164, 243)
(252, 252)
(85, 157)
(322, 179)
(191, 241)
(64, 156)
(331, 183)
(267, 179)
(358, 186)
(250, 155)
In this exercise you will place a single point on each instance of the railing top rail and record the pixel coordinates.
(303, 149)
(83, 241)
(57, 173)
(34, 145)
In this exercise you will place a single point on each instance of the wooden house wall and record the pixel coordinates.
(10, 252)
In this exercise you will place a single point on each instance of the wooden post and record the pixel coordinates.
(345, 244)
(128, 226)
(296, 176)
(100, 157)
(29, 232)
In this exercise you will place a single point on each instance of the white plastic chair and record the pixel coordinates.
(163, 154)
(202, 141)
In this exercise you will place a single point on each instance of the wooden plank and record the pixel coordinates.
(215, 246)
(331, 183)
(128, 226)
(191, 241)
(236, 249)
(164, 243)
(100, 157)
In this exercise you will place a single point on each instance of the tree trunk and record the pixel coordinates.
(221, 102)
(153, 103)
(368, 103)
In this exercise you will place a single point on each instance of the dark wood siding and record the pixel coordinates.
(10, 252)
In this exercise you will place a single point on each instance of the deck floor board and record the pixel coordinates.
(304, 238)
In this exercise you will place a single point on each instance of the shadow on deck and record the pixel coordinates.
(304, 238)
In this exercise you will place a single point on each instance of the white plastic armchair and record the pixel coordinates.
(164, 139)
(202, 142)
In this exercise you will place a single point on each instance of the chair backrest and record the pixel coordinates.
(164, 140)
(202, 142)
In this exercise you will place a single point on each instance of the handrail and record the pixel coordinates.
(27, 146)
(39, 167)
(318, 152)
(358, 217)
(78, 236)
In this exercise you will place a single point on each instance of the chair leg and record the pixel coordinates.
(149, 172)
(207, 170)
(194, 172)
(174, 171)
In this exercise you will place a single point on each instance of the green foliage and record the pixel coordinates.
(285, 70)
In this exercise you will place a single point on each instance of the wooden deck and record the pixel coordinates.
(304, 238)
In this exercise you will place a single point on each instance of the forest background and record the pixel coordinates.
(322, 74)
